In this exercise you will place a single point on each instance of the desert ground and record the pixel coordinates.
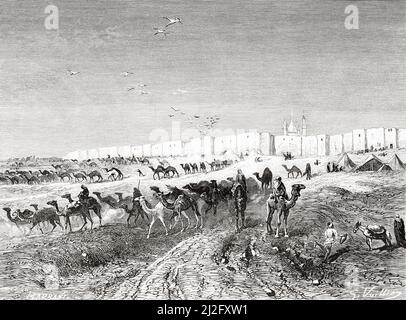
(114, 261)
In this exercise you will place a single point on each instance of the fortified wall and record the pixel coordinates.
(253, 142)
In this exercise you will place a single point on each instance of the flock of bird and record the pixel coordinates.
(202, 123)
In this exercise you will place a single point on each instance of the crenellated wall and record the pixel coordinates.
(262, 142)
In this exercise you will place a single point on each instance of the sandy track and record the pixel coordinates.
(188, 271)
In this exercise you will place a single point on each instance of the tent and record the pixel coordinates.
(346, 162)
(395, 163)
(385, 167)
(372, 163)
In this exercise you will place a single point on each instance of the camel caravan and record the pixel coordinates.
(174, 205)
(102, 169)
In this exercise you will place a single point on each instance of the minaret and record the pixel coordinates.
(285, 128)
(304, 127)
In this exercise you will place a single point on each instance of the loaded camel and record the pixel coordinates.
(374, 232)
(179, 206)
(292, 171)
(210, 191)
(78, 209)
(14, 218)
(266, 179)
(282, 208)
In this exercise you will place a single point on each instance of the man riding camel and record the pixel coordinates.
(240, 179)
(83, 196)
(279, 190)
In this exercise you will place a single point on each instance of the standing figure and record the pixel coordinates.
(308, 171)
(328, 167)
(330, 236)
(240, 179)
(399, 230)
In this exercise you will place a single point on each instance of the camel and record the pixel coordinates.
(203, 167)
(63, 175)
(57, 166)
(178, 208)
(374, 232)
(94, 174)
(186, 167)
(118, 176)
(33, 180)
(79, 177)
(212, 165)
(135, 211)
(282, 207)
(293, 170)
(210, 190)
(204, 203)
(111, 201)
(194, 167)
(158, 212)
(47, 214)
(172, 170)
(157, 171)
(72, 210)
(5, 180)
(266, 179)
(14, 218)
(79, 209)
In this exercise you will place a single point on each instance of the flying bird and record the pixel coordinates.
(126, 73)
(142, 85)
(174, 109)
(130, 89)
(197, 117)
(144, 92)
(171, 115)
(160, 31)
(73, 73)
(172, 21)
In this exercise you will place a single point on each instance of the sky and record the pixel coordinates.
(252, 63)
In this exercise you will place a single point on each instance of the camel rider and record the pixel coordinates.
(240, 179)
(84, 195)
(279, 190)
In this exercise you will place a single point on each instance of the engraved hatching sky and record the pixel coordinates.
(250, 62)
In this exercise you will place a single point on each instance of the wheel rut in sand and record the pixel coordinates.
(188, 271)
